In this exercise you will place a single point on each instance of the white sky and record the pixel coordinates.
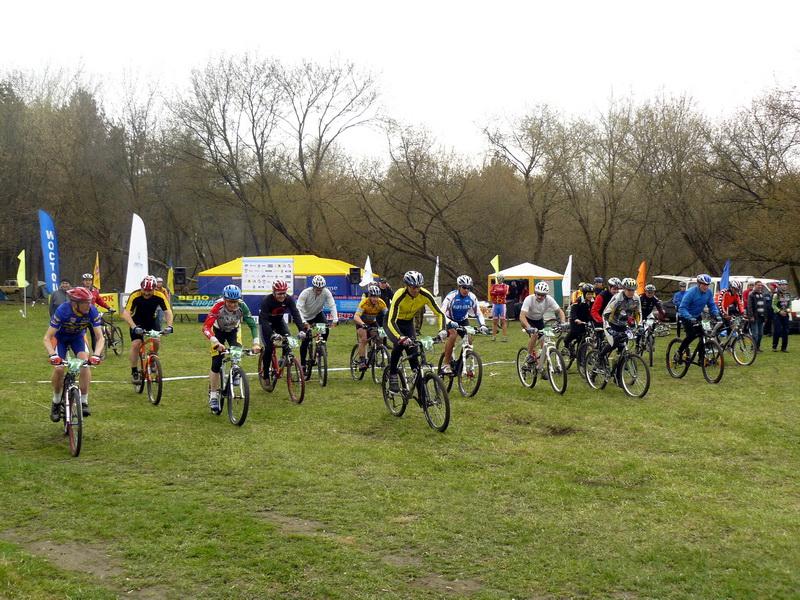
(449, 66)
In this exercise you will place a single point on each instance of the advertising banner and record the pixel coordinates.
(47, 232)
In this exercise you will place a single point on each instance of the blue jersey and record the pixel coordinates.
(694, 301)
(68, 323)
(677, 297)
(458, 307)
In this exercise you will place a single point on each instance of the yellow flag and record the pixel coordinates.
(96, 273)
(171, 281)
(21, 281)
(495, 262)
(641, 279)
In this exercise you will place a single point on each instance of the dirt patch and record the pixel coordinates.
(557, 430)
(438, 583)
(518, 420)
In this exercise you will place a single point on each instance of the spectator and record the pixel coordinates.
(676, 302)
(386, 291)
(58, 297)
(769, 291)
(757, 313)
(781, 301)
(746, 294)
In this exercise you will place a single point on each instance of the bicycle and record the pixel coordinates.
(645, 341)
(423, 384)
(740, 344)
(630, 371)
(317, 354)
(592, 339)
(150, 372)
(112, 334)
(269, 373)
(467, 368)
(549, 362)
(71, 409)
(707, 353)
(377, 356)
(233, 384)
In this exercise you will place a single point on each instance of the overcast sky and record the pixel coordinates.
(449, 66)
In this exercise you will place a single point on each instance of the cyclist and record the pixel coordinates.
(577, 295)
(66, 332)
(310, 304)
(650, 302)
(624, 310)
(691, 309)
(598, 286)
(731, 305)
(458, 306)
(271, 314)
(406, 302)
(781, 303)
(497, 295)
(676, 302)
(580, 314)
(602, 299)
(386, 291)
(222, 325)
(371, 313)
(140, 315)
(531, 315)
(88, 283)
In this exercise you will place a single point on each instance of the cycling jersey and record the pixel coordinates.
(732, 304)
(69, 323)
(458, 307)
(600, 303)
(220, 319)
(781, 301)
(649, 303)
(96, 299)
(369, 312)
(273, 310)
(695, 301)
(622, 311)
(534, 308)
(498, 293)
(310, 304)
(404, 307)
(143, 310)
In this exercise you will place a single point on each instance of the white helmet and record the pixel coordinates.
(542, 288)
(614, 282)
(464, 281)
(318, 281)
(629, 283)
(414, 278)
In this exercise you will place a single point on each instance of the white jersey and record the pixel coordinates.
(535, 309)
(310, 304)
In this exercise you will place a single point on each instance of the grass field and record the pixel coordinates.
(691, 492)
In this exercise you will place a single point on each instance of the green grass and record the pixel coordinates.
(691, 492)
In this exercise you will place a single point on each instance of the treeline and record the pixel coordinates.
(248, 161)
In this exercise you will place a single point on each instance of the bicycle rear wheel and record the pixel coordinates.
(295, 380)
(267, 377)
(380, 360)
(470, 374)
(565, 352)
(713, 362)
(73, 420)
(676, 365)
(117, 342)
(436, 403)
(445, 377)
(238, 396)
(154, 379)
(527, 373)
(556, 371)
(322, 365)
(356, 374)
(744, 350)
(595, 371)
(635, 376)
(395, 402)
(650, 348)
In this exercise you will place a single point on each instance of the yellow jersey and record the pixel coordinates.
(368, 311)
(404, 307)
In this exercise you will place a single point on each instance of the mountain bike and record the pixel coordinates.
(644, 342)
(150, 372)
(741, 345)
(548, 363)
(271, 369)
(233, 384)
(707, 353)
(377, 356)
(467, 367)
(630, 371)
(317, 354)
(592, 339)
(71, 410)
(112, 334)
(421, 383)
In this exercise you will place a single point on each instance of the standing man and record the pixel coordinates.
(781, 301)
(58, 297)
(677, 297)
(757, 313)
(497, 295)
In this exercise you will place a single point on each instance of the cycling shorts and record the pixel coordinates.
(498, 311)
(76, 343)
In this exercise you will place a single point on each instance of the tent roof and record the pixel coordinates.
(527, 269)
(304, 264)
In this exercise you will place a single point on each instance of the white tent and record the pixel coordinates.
(527, 269)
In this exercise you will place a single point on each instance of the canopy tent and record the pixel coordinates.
(532, 274)
(304, 264)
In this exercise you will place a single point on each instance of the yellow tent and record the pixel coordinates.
(304, 264)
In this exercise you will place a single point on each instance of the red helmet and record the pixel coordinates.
(148, 283)
(279, 285)
(79, 294)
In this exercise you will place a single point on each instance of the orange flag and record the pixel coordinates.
(641, 278)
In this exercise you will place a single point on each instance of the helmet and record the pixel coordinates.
(318, 281)
(373, 290)
(148, 283)
(159, 280)
(87, 276)
(587, 287)
(703, 278)
(231, 292)
(629, 283)
(783, 282)
(279, 285)
(499, 279)
(598, 279)
(682, 285)
(464, 281)
(79, 294)
(649, 288)
(736, 286)
(614, 282)
(413, 278)
(542, 288)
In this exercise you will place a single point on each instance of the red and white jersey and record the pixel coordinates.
(498, 293)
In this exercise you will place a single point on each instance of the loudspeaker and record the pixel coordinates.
(179, 275)
(355, 275)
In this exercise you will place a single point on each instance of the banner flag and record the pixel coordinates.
(21, 281)
(171, 279)
(724, 282)
(566, 283)
(495, 262)
(96, 272)
(47, 233)
(137, 256)
(367, 278)
(641, 279)
(436, 278)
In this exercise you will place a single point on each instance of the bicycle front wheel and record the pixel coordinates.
(527, 373)
(676, 364)
(744, 350)
(380, 360)
(449, 378)
(566, 352)
(713, 362)
(556, 371)
(395, 402)
(117, 342)
(295, 380)
(322, 365)
(356, 374)
(470, 374)
(153, 379)
(583, 350)
(267, 377)
(238, 396)
(635, 376)
(436, 403)
(595, 371)
(73, 420)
